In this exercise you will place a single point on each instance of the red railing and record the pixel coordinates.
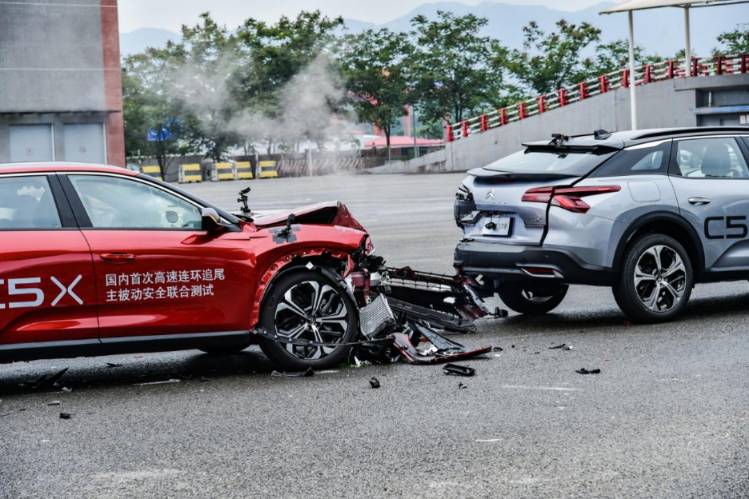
(645, 74)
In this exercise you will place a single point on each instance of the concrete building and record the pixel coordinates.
(60, 82)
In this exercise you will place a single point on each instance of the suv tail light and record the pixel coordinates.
(567, 198)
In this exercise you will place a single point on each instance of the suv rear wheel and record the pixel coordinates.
(532, 299)
(656, 280)
(314, 315)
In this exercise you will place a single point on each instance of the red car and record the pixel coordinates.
(100, 260)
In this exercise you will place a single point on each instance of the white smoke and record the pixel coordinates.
(310, 109)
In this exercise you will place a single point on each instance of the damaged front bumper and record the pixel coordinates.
(411, 308)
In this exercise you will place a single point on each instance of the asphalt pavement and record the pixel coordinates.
(668, 416)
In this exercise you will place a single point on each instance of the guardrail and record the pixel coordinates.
(647, 73)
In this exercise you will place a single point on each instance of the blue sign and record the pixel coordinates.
(155, 135)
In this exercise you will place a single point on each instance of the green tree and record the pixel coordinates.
(549, 61)
(204, 70)
(611, 57)
(146, 79)
(456, 70)
(376, 69)
(275, 53)
(735, 42)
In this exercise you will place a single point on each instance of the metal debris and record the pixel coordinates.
(163, 382)
(588, 371)
(457, 370)
(563, 346)
(300, 374)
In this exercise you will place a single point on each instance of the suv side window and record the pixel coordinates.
(718, 157)
(27, 203)
(119, 203)
(641, 159)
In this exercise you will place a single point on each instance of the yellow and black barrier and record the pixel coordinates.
(189, 173)
(243, 170)
(225, 171)
(152, 171)
(267, 169)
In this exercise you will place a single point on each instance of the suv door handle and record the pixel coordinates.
(699, 201)
(117, 257)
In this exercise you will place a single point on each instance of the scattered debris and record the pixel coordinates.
(588, 371)
(563, 346)
(457, 370)
(299, 374)
(374, 382)
(461, 386)
(65, 415)
(44, 381)
(164, 382)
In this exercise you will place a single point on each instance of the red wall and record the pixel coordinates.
(110, 37)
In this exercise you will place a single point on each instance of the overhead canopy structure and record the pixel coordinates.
(632, 5)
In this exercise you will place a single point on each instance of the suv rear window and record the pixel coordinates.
(644, 159)
(555, 162)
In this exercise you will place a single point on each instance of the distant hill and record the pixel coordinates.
(659, 31)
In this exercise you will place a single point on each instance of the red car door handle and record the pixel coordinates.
(117, 257)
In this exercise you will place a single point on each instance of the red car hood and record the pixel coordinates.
(330, 213)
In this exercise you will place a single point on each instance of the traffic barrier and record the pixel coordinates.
(244, 170)
(152, 171)
(267, 169)
(190, 173)
(225, 171)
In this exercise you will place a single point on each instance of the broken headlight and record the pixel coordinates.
(464, 204)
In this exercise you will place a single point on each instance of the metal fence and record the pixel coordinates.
(645, 74)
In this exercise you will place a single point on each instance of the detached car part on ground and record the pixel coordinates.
(101, 260)
(647, 212)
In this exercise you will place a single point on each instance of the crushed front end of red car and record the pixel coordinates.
(399, 312)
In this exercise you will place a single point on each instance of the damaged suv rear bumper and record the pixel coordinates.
(498, 261)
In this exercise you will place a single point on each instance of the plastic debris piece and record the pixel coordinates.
(558, 347)
(65, 415)
(54, 402)
(457, 370)
(374, 382)
(588, 371)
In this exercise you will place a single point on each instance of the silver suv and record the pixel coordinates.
(648, 213)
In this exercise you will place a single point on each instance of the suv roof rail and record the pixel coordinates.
(691, 130)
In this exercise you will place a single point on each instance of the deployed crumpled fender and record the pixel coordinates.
(326, 232)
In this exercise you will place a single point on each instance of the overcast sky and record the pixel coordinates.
(171, 14)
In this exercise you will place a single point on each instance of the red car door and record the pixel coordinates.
(47, 286)
(157, 272)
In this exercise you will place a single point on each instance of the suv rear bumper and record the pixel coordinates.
(513, 262)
